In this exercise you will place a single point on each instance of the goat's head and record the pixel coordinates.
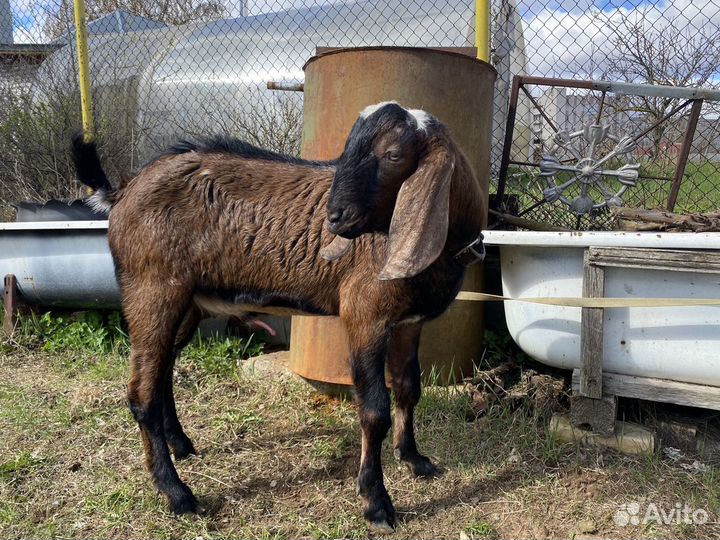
(394, 176)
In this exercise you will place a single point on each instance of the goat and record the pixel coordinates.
(381, 236)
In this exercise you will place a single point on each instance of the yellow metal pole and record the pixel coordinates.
(84, 69)
(482, 29)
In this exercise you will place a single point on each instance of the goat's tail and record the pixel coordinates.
(90, 172)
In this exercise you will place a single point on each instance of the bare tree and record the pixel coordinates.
(275, 120)
(173, 12)
(673, 55)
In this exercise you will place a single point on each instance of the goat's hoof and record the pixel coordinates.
(182, 449)
(380, 515)
(381, 527)
(422, 467)
(185, 504)
(419, 465)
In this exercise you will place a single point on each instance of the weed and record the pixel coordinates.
(7, 513)
(102, 334)
(221, 357)
(22, 463)
(116, 503)
(500, 347)
(239, 421)
(480, 529)
(340, 526)
(332, 447)
(87, 331)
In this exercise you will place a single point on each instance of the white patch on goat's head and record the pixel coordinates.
(367, 111)
(422, 118)
(98, 201)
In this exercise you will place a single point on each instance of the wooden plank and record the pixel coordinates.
(651, 389)
(657, 259)
(10, 301)
(596, 414)
(591, 335)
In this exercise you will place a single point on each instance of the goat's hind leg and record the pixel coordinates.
(404, 369)
(179, 442)
(154, 313)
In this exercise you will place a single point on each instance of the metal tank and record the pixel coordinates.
(456, 88)
(212, 76)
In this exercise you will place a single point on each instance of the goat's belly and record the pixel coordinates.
(239, 307)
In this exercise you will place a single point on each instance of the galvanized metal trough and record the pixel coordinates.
(60, 263)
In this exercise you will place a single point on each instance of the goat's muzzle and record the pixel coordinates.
(347, 221)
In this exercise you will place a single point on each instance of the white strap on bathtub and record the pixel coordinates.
(592, 302)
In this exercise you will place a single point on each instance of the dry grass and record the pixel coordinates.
(279, 461)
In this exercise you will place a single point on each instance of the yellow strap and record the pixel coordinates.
(592, 302)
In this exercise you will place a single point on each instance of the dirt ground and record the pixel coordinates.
(279, 461)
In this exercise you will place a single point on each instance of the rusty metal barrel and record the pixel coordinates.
(457, 89)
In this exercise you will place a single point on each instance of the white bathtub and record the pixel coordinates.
(677, 343)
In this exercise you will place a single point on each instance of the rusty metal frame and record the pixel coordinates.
(692, 96)
(11, 301)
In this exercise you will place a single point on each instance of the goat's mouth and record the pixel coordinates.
(347, 229)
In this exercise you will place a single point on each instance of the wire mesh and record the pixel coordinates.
(162, 68)
(569, 156)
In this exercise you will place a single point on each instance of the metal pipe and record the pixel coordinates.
(676, 110)
(507, 144)
(600, 108)
(684, 153)
(286, 86)
(645, 90)
(84, 69)
(482, 29)
(540, 109)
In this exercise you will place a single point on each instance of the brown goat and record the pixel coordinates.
(219, 226)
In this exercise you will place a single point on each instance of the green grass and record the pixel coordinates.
(331, 447)
(700, 189)
(22, 463)
(480, 529)
(102, 336)
(88, 331)
(699, 193)
(221, 356)
(277, 460)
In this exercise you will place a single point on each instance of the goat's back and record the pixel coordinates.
(220, 222)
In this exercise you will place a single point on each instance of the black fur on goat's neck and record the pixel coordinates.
(229, 145)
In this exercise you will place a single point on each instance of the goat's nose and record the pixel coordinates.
(335, 216)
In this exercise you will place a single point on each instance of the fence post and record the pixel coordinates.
(84, 68)
(482, 29)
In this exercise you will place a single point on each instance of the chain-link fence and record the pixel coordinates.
(165, 67)
(593, 146)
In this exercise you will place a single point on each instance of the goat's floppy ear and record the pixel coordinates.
(335, 249)
(419, 225)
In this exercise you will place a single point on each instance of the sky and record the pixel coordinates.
(563, 37)
(575, 36)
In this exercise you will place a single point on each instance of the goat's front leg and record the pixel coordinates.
(367, 357)
(404, 370)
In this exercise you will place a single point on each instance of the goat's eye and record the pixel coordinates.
(392, 156)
